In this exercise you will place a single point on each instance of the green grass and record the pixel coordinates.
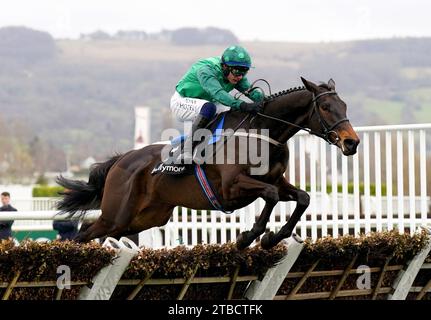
(391, 111)
(424, 114)
(422, 97)
(420, 94)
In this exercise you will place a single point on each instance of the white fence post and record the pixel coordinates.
(152, 238)
(404, 281)
(400, 181)
(267, 288)
(107, 279)
(371, 212)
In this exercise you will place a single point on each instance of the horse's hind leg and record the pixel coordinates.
(287, 192)
(94, 230)
(124, 196)
(85, 226)
(151, 216)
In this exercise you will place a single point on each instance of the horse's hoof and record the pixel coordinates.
(267, 241)
(81, 237)
(243, 240)
(79, 240)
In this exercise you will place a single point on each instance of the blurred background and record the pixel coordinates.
(81, 81)
(73, 72)
(79, 78)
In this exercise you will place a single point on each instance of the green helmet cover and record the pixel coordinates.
(236, 56)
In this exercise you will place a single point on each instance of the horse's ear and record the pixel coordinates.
(331, 84)
(310, 85)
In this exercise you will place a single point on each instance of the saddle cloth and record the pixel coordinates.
(181, 169)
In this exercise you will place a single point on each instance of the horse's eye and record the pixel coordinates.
(325, 106)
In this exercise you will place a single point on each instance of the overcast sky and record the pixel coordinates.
(267, 20)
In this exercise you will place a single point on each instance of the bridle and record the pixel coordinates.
(329, 135)
(328, 130)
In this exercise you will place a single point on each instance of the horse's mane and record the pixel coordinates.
(284, 92)
(291, 90)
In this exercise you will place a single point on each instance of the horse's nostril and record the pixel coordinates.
(350, 144)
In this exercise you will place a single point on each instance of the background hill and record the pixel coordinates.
(77, 97)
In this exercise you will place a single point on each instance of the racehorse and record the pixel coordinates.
(132, 199)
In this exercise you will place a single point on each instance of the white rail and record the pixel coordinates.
(382, 187)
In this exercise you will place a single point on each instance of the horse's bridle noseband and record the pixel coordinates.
(328, 130)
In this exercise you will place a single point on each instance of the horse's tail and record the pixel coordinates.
(81, 195)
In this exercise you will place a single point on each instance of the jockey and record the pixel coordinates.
(204, 91)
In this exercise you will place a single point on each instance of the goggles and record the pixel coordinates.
(238, 71)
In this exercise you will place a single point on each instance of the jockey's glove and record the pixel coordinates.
(252, 107)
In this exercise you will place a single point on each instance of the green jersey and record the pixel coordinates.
(205, 80)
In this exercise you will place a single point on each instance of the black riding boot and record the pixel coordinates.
(187, 155)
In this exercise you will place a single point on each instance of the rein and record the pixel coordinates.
(329, 135)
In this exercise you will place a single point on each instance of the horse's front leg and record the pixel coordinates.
(287, 192)
(246, 186)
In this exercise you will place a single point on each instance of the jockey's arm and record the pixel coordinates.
(243, 85)
(209, 82)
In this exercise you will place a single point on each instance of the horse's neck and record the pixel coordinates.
(294, 108)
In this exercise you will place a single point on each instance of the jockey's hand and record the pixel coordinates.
(252, 107)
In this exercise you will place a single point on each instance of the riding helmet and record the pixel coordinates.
(236, 56)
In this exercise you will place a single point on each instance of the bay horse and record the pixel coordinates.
(132, 199)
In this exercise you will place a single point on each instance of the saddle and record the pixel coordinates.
(177, 146)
